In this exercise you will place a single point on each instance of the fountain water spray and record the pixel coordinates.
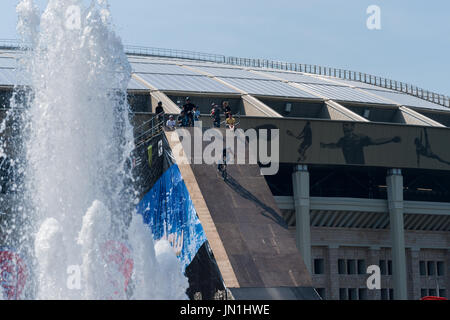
(73, 159)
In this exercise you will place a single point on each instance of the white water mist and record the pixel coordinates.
(77, 145)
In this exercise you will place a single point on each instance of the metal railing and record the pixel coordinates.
(10, 44)
(148, 129)
(343, 74)
(171, 53)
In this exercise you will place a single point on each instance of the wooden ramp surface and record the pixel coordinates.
(246, 228)
(261, 250)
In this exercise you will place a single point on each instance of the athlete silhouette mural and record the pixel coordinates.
(424, 150)
(306, 137)
(353, 144)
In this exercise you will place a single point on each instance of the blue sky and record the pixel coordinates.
(412, 46)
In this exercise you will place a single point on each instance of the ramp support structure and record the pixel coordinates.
(300, 180)
(396, 211)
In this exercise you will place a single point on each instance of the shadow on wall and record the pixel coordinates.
(244, 193)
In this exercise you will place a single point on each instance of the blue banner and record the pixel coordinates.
(169, 211)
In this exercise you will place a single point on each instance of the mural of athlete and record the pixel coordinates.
(352, 144)
(425, 150)
(306, 137)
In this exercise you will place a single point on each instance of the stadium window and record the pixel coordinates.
(431, 266)
(389, 267)
(351, 266)
(139, 102)
(422, 268)
(319, 266)
(440, 268)
(443, 293)
(362, 294)
(384, 294)
(391, 294)
(342, 294)
(321, 292)
(423, 293)
(383, 267)
(352, 294)
(341, 266)
(432, 292)
(362, 267)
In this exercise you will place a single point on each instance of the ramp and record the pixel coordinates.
(253, 247)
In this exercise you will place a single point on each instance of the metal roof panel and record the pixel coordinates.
(136, 85)
(10, 63)
(8, 77)
(341, 93)
(296, 77)
(268, 88)
(408, 100)
(158, 68)
(186, 83)
(231, 73)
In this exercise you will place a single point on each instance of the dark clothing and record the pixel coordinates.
(222, 165)
(183, 121)
(188, 108)
(159, 110)
(227, 111)
(216, 116)
(160, 114)
(217, 113)
(307, 136)
(353, 148)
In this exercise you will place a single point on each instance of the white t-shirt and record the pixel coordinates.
(171, 123)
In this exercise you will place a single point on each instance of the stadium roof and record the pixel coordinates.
(189, 72)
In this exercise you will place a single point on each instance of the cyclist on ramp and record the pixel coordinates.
(222, 165)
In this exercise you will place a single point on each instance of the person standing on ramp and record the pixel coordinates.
(222, 165)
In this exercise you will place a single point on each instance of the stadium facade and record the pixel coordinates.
(364, 175)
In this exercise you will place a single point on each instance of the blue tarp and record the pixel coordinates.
(169, 211)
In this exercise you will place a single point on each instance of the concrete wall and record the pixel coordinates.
(332, 281)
